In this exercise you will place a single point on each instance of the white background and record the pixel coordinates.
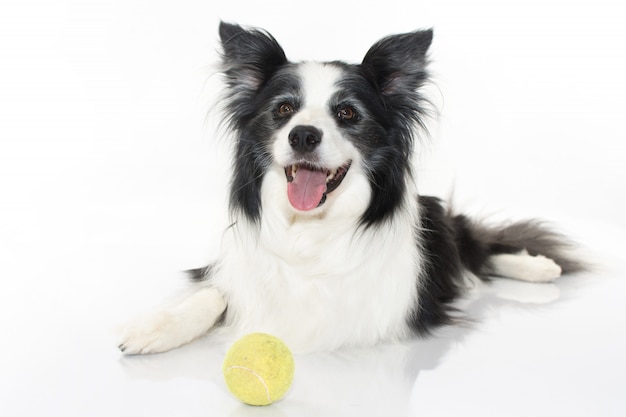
(112, 180)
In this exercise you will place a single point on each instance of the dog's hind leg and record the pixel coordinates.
(523, 266)
(176, 325)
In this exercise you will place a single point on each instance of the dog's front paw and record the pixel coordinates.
(153, 334)
(173, 327)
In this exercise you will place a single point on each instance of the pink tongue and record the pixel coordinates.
(307, 189)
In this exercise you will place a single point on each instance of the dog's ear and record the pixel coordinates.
(250, 56)
(397, 64)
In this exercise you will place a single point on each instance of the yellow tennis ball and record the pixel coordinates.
(258, 369)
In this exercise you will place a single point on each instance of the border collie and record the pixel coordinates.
(330, 245)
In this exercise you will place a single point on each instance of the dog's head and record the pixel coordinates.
(322, 136)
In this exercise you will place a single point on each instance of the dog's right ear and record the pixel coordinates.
(249, 58)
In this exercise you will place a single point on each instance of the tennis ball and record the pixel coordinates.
(258, 369)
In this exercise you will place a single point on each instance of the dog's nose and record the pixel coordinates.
(305, 138)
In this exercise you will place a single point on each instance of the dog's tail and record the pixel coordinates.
(480, 246)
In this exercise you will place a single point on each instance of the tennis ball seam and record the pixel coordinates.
(251, 371)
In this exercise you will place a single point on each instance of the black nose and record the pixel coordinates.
(305, 138)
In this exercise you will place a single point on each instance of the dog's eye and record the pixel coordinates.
(346, 113)
(285, 109)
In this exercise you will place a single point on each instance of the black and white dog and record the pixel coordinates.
(330, 245)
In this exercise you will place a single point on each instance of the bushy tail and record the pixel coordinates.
(478, 241)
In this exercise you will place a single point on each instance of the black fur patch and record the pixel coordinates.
(441, 278)
(201, 274)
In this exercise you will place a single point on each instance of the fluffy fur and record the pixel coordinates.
(330, 245)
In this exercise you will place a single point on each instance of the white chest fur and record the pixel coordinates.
(320, 285)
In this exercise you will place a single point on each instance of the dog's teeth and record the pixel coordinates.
(331, 175)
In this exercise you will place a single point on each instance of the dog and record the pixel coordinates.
(330, 245)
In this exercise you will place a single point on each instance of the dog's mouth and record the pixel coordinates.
(308, 186)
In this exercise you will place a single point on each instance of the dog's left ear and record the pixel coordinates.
(397, 63)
